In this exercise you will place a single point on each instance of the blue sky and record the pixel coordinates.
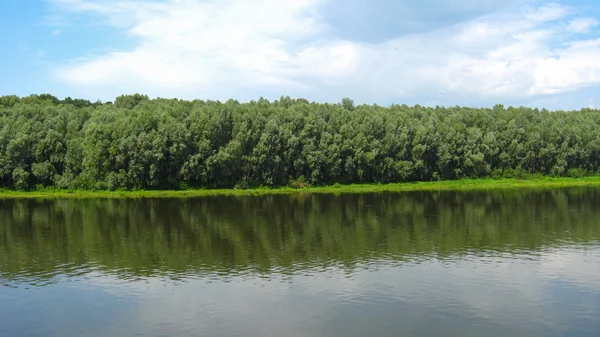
(471, 52)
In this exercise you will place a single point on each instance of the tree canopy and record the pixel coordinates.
(142, 143)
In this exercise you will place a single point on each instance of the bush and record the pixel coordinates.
(577, 173)
(299, 183)
(245, 184)
(20, 179)
(64, 181)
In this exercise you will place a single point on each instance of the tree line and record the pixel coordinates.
(141, 143)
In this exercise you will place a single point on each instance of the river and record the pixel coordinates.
(487, 263)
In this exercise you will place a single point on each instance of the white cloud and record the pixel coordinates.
(193, 46)
(83, 5)
(549, 12)
(238, 48)
(581, 25)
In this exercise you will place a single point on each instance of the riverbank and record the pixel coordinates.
(475, 184)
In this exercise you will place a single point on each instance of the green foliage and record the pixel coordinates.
(244, 184)
(129, 101)
(142, 143)
(9, 101)
(577, 173)
(299, 183)
(20, 178)
(44, 172)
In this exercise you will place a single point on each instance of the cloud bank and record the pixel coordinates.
(246, 49)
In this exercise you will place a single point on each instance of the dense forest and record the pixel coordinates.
(141, 143)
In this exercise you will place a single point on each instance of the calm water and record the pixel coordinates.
(511, 263)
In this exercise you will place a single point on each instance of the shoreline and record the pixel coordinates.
(447, 185)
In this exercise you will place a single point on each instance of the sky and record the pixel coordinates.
(429, 52)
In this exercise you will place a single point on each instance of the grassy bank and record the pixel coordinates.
(476, 184)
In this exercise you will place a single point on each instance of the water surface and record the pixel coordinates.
(498, 263)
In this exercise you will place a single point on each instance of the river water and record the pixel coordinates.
(486, 263)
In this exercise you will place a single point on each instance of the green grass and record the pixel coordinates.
(475, 184)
